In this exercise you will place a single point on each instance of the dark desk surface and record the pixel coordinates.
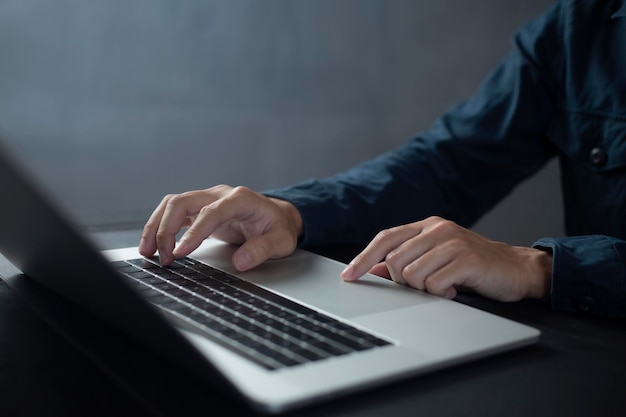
(74, 365)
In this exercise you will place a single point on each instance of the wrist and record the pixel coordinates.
(541, 273)
(293, 214)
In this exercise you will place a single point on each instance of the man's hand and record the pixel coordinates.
(439, 256)
(265, 227)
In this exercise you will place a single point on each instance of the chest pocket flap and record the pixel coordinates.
(596, 142)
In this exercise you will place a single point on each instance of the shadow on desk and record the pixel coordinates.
(65, 362)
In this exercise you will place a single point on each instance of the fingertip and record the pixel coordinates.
(181, 249)
(450, 293)
(345, 274)
(165, 259)
(242, 261)
(349, 273)
(145, 248)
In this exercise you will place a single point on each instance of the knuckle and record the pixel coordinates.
(409, 271)
(167, 197)
(412, 277)
(148, 227)
(240, 194)
(396, 271)
(219, 187)
(241, 190)
(189, 194)
(445, 226)
(161, 235)
(392, 258)
(434, 219)
(383, 235)
(175, 199)
(205, 211)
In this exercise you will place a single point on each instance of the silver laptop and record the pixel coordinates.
(287, 334)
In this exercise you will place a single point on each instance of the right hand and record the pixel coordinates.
(265, 227)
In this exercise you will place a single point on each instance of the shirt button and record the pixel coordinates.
(598, 157)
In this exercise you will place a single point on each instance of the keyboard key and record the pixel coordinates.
(266, 328)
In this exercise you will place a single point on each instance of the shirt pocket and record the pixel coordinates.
(593, 141)
(592, 151)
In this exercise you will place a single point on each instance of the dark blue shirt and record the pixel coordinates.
(560, 93)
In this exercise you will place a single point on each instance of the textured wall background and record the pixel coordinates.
(115, 103)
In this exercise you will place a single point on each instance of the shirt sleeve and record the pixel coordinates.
(471, 158)
(588, 274)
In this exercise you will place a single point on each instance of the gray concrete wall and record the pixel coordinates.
(115, 103)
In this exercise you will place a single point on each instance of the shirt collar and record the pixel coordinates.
(621, 12)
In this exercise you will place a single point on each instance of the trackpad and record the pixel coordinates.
(315, 281)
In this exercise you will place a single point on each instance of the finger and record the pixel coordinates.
(176, 214)
(380, 269)
(377, 249)
(239, 204)
(443, 281)
(147, 244)
(259, 249)
(442, 271)
(395, 262)
(450, 293)
(408, 254)
(423, 260)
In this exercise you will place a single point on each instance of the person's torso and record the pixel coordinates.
(589, 124)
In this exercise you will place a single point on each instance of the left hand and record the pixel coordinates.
(439, 256)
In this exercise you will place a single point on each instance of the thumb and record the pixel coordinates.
(259, 249)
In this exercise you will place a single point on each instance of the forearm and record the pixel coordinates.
(351, 207)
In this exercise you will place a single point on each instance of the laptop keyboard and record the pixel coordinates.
(268, 329)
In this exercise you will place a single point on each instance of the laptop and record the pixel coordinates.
(287, 334)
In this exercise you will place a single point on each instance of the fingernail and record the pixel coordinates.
(181, 247)
(164, 260)
(348, 273)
